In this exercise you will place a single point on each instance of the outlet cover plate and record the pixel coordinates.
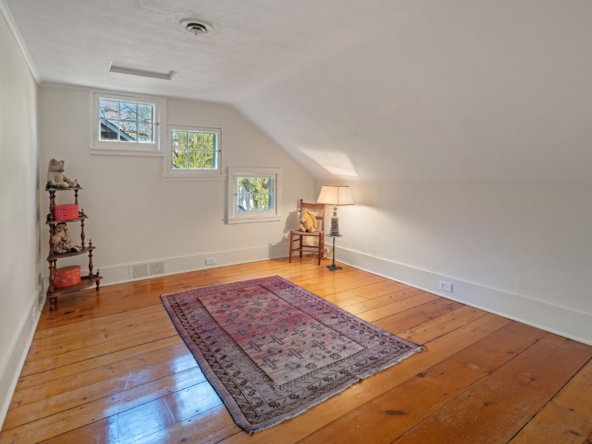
(211, 261)
(446, 286)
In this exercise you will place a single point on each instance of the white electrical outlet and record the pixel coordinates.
(211, 261)
(34, 312)
(446, 286)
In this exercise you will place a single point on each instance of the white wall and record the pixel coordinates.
(522, 250)
(136, 217)
(18, 210)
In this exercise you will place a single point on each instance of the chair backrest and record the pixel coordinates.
(315, 206)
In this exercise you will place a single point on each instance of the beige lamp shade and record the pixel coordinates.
(335, 195)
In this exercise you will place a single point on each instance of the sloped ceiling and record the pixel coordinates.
(376, 90)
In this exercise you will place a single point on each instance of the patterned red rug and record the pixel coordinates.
(273, 350)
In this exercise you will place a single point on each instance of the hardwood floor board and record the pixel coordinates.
(206, 428)
(348, 277)
(417, 316)
(107, 387)
(173, 357)
(441, 325)
(107, 329)
(143, 420)
(388, 416)
(94, 351)
(343, 301)
(187, 386)
(376, 290)
(397, 307)
(95, 362)
(567, 418)
(98, 339)
(374, 303)
(496, 408)
(94, 323)
(347, 286)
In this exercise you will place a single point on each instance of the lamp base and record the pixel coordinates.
(334, 267)
(334, 223)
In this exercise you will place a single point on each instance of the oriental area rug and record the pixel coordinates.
(273, 350)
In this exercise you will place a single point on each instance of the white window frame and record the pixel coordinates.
(118, 148)
(172, 174)
(238, 217)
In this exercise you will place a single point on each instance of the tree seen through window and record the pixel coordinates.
(194, 150)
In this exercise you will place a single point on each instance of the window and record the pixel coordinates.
(125, 124)
(193, 153)
(194, 150)
(254, 194)
(126, 121)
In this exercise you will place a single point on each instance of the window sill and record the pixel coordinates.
(204, 178)
(113, 152)
(244, 220)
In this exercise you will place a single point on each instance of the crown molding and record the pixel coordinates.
(19, 39)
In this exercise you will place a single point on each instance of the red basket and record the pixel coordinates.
(65, 212)
(66, 276)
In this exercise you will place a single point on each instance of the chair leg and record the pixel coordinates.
(300, 243)
(321, 246)
(291, 246)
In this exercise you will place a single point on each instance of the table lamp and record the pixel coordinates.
(335, 195)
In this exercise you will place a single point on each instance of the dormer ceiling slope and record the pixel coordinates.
(423, 90)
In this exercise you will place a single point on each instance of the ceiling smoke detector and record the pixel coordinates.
(195, 27)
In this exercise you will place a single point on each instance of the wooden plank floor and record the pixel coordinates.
(109, 367)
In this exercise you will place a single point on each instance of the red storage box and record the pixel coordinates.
(66, 276)
(65, 212)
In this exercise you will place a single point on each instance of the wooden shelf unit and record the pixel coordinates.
(52, 258)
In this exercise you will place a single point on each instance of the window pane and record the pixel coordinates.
(195, 140)
(180, 140)
(109, 129)
(179, 159)
(128, 131)
(145, 133)
(243, 185)
(243, 202)
(128, 110)
(195, 160)
(262, 202)
(108, 109)
(145, 113)
(267, 184)
(209, 160)
(209, 141)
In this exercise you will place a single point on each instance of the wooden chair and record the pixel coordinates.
(297, 235)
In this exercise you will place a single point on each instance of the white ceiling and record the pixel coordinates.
(456, 90)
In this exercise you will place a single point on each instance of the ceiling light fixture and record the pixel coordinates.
(122, 69)
(195, 27)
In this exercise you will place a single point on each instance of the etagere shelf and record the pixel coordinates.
(52, 259)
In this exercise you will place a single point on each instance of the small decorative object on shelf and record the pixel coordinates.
(65, 276)
(60, 243)
(65, 212)
(56, 177)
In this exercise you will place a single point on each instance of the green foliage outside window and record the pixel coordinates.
(254, 193)
(194, 150)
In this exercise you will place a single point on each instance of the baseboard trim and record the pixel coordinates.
(556, 319)
(15, 358)
(119, 274)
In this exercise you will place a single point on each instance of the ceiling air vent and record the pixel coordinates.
(195, 27)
